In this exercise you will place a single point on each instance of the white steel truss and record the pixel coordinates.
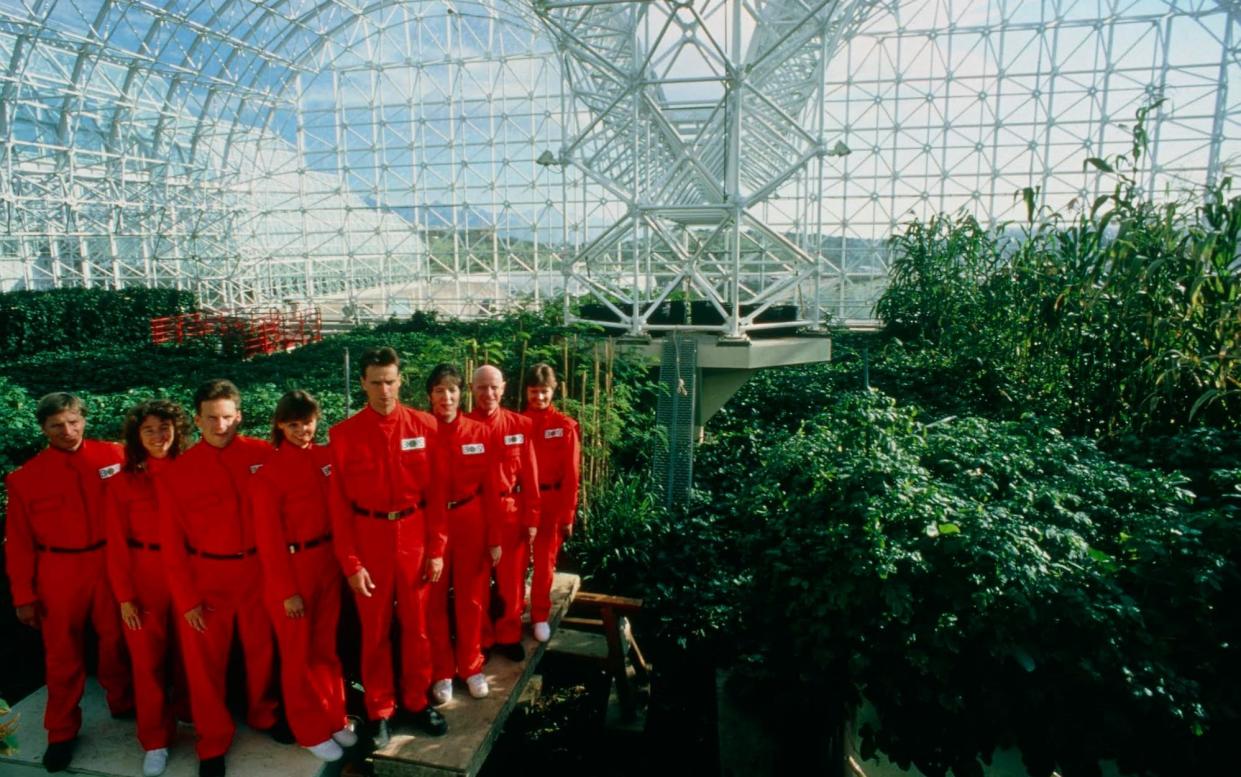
(464, 155)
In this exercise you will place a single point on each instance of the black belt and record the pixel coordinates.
(465, 500)
(131, 542)
(514, 490)
(549, 486)
(53, 549)
(390, 515)
(297, 547)
(220, 556)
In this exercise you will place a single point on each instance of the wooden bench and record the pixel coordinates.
(598, 628)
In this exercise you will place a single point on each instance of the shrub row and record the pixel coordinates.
(72, 319)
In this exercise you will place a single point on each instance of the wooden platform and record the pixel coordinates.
(473, 724)
(109, 748)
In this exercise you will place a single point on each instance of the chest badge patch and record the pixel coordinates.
(473, 449)
(109, 471)
(327, 470)
(255, 468)
(551, 434)
(413, 443)
(514, 439)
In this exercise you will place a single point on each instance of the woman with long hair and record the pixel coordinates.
(558, 448)
(155, 432)
(293, 531)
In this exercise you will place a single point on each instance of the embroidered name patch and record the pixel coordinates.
(473, 449)
(255, 468)
(413, 443)
(327, 470)
(514, 439)
(549, 434)
(109, 471)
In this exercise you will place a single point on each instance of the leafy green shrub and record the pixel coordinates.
(988, 583)
(1119, 315)
(72, 319)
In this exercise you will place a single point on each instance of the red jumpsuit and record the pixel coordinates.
(469, 472)
(136, 570)
(293, 526)
(557, 444)
(388, 517)
(518, 511)
(54, 548)
(208, 548)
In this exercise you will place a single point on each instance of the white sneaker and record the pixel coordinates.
(478, 685)
(154, 762)
(542, 631)
(345, 737)
(441, 691)
(327, 750)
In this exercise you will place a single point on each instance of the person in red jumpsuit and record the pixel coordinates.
(517, 523)
(208, 548)
(155, 433)
(469, 472)
(558, 447)
(388, 523)
(54, 550)
(293, 529)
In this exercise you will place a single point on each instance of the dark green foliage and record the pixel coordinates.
(1119, 315)
(72, 319)
(989, 583)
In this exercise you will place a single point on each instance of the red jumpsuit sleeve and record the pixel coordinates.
(269, 537)
(437, 498)
(172, 550)
(19, 550)
(531, 500)
(117, 550)
(342, 515)
(570, 482)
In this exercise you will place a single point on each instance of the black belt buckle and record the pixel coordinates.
(549, 486)
(131, 542)
(296, 547)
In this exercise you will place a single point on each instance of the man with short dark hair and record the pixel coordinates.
(214, 574)
(54, 550)
(388, 523)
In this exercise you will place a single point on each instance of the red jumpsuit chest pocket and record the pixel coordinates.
(203, 506)
(416, 465)
(141, 510)
(45, 512)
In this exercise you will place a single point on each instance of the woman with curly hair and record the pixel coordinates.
(155, 432)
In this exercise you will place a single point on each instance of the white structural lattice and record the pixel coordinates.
(381, 157)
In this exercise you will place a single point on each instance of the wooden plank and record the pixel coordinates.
(623, 604)
(579, 644)
(473, 724)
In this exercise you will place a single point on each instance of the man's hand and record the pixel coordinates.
(494, 550)
(196, 620)
(566, 530)
(435, 568)
(28, 614)
(533, 530)
(294, 607)
(361, 582)
(131, 616)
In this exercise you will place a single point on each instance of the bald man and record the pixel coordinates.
(516, 525)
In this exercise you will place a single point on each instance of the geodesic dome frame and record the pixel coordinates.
(379, 158)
